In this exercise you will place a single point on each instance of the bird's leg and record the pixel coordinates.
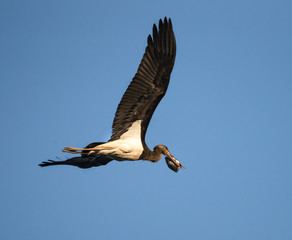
(79, 150)
(72, 150)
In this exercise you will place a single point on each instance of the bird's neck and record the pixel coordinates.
(153, 156)
(156, 155)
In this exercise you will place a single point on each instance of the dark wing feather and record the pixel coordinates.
(81, 162)
(150, 82)
(85, 161)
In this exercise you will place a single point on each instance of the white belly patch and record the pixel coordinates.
(128, 147)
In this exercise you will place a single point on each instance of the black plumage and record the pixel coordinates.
(150, 83)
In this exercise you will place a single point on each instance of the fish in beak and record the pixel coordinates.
(172, 163)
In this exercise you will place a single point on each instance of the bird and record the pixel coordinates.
(135, 110)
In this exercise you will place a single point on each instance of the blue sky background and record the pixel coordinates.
(226, 116)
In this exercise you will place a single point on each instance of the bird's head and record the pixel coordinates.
(171, 161)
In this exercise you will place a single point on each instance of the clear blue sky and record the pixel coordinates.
(226, 116)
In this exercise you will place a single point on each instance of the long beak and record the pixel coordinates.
(172, 163)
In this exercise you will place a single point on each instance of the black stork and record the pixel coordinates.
(135, 110)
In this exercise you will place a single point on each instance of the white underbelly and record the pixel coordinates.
(128, 147)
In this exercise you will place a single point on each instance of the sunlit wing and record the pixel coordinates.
(150, 83)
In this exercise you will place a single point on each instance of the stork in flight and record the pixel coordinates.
(135, 110)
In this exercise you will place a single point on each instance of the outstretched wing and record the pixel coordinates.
(81, 162)
(150, 82)
(85, 161)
